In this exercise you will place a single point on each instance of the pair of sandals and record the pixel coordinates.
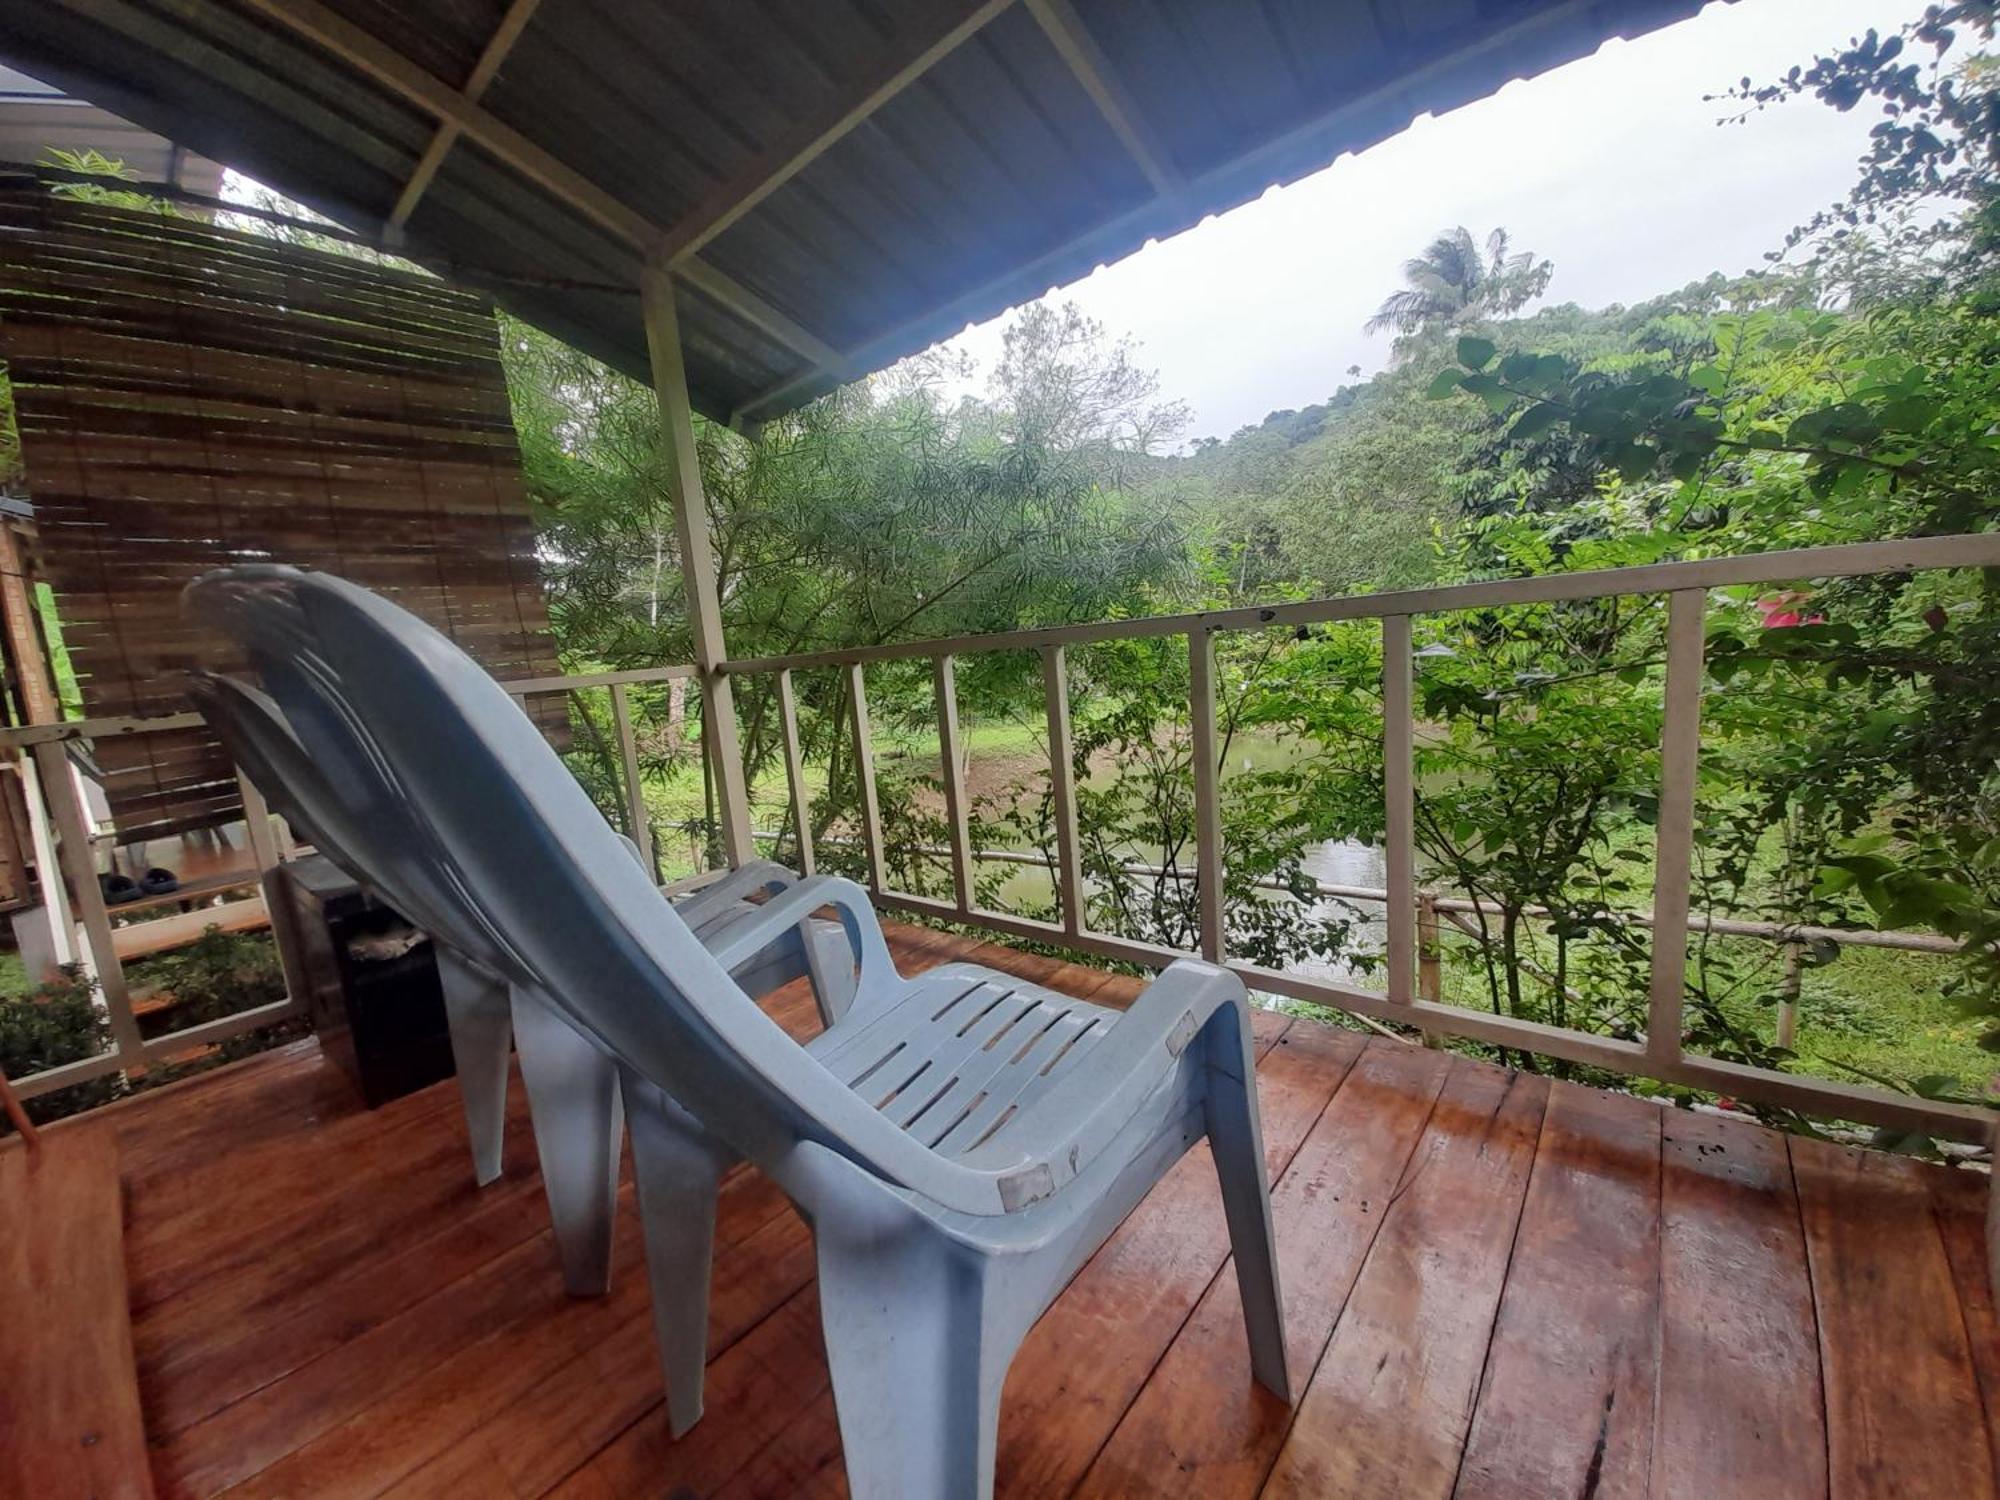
(120, 890)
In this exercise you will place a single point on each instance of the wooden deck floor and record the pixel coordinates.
(1495, 1287)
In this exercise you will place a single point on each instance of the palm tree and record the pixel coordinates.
(1452, 283)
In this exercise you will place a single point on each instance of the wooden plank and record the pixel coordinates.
(69, 1402)
(575, 1408)
(1201, 1427)
(1903, 1408)
(753, 1393)
(1680, 749)
(1566, 1404)
(1085, 1362)
(1961, 1201)
(1388, 1410)
(1739, 1383)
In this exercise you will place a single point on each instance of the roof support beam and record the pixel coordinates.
(704, 604)
(1154, 215)
(504, 36)
(359, 49)
(1084, 58)
(802, 147)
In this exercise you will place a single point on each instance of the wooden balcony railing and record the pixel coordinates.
(1411, 996)
(1660, 1055)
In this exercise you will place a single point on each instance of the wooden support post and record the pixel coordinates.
(638, 821)
(1062, 790)
(1788, 995)
(1399, 812)
(1430, 958)
(795, 770)
(1207, 795)
(864, 780)
(951, 763)
(73, 852)
(1673, 864)
(725, 754)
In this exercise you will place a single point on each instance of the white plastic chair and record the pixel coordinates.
(575, 1106)
(960, 1142)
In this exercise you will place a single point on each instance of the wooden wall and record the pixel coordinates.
(190, 396)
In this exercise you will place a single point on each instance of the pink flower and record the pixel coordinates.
(1783, 609)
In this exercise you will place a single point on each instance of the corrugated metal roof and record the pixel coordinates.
(1004, 165)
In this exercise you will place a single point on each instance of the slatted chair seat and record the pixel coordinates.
(964, 1053)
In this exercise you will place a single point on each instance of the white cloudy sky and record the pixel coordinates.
(1613, 167)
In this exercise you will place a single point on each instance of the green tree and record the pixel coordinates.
(1454, 283)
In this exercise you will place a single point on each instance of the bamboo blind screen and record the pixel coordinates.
(190, 396)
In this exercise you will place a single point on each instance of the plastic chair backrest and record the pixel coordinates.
(476, 796)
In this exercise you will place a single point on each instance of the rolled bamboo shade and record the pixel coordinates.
(190, 396)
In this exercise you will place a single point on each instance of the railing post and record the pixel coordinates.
(795, 769)
(1673, 863)
(55, 900)
(638, 820)
(1430, 957)
(1207, 794)
(1788, 995)
(73, 851)
(864, 775)
(1062, 789)
(1399, 809)
(944, 681)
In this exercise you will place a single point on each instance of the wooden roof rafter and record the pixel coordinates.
(1093, 70)
(505, 35)
(452, 107)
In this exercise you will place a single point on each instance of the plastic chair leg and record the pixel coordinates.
(481, 1024)
(1235, 1141)
(917, 1365)
(579, 1124)
(678, 1168)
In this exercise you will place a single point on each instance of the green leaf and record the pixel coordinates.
(1534, 421)
(1444, 383)
(1475, 353)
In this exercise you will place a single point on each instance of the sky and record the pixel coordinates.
(1612, 166)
